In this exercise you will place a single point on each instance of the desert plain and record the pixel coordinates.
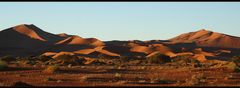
(31, 56)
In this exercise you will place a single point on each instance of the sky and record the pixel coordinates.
(124, 20)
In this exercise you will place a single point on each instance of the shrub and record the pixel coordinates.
(102, 56)
(21, 84)
(20, 75)
(27, 62)
(84, 78)
(224, 64)
(29, 58)
(237, 69)
(186, 60)
(160, 81)
(196, 79)
(117, 62)
(31, 62)
(8, 58)
(236, 59)
(232, 66)
(197, 51)
(68, 59)
(159, 58)
(101, 61)
(50, 62)
(43, 58)
(3, 65)
(110, 62)
(118, 75)
(144, 62)
(51, 69)
(134, 62)
(50, 79)
(124, 59)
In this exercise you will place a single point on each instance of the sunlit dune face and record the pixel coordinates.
(26, 31)
(209, 38)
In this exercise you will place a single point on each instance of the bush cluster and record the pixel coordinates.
(3, 65)
(158, 58)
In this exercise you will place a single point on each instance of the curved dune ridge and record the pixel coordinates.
(22, 39)
(143, 49)
(160, 48)
(164, 50)
(23, 29)
(94, 42)
(62, 53)
(73, 40)
(97, 49)
(28, 39)
(199, 34)
(76, 40)
(84, 51)
(104, 51)
(49, 53)
(200, 57)
(151, 48)
(208, 38)
(34, 32)
(139, 48)
(63, 35)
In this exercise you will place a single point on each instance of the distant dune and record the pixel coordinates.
(208, 38)
(25, 40)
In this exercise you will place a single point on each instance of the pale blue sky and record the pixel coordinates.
(124, 20)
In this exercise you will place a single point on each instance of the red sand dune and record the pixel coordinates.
(34, 32)
(184, 53)
(163, 49)
(138, 48)
(200, 57)
(94, 42)
(200, 51)
(22, 40)
(97, 49)
(76, 40)
(170, 54)
(84, 51)
(63, 53)
(209, 38)
(73, 40)
(49, 53)
(63, 35)
(142, 49)
(29, 39)
(29, 32)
